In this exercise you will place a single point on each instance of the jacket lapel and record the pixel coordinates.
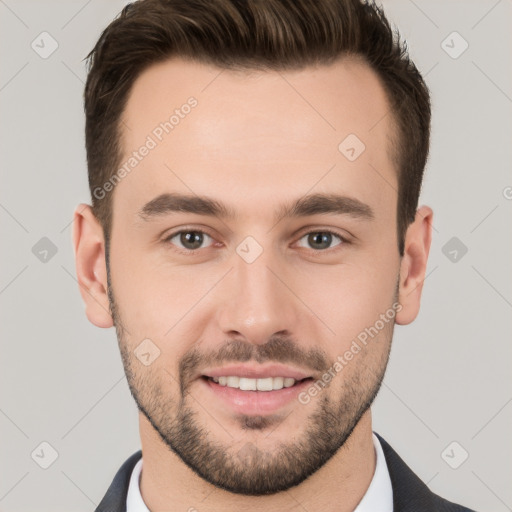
(115, 498)
(410, 494)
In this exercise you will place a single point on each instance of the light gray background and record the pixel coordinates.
(449, 377)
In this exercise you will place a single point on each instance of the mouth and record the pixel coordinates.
(250, 384)
(250, 390)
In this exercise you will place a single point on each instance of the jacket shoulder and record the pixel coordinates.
(410, 494)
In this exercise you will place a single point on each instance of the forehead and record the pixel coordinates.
(258, 131)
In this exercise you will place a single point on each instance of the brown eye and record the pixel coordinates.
(321, 240)
(190, 240)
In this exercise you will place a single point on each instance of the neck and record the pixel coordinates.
(168, 484)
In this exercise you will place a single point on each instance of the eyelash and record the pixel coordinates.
(192, 252)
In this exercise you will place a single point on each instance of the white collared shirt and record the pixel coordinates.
(378, 496)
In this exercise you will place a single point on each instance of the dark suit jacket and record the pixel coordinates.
(410, 494)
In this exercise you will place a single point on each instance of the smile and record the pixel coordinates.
(248, 384)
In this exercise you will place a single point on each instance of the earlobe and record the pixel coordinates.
(414, 265)
(91, 271)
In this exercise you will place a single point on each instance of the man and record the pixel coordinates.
(254, 236)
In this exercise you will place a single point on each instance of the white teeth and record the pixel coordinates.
(246, 384)
(288, 382)
(277, 383)
(265, 384)
(233, 382)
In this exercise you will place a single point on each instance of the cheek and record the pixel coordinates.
(159, 301)
(350, 298)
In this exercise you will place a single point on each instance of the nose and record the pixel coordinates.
(257, 301)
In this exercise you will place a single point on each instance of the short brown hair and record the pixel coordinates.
(253, 34)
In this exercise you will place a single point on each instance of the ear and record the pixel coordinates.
(414, 265)
(91, 269)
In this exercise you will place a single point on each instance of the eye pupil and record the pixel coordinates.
(191, 239)
(320, 240)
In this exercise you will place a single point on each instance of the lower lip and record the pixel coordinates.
(256, 402)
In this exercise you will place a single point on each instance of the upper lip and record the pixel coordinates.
(256, 371)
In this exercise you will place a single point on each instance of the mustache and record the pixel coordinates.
(278, 349)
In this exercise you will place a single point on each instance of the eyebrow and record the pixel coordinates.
(313, 204)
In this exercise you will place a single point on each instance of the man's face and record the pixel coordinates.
(267, 295)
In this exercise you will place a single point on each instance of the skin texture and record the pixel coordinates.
(254, 142)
